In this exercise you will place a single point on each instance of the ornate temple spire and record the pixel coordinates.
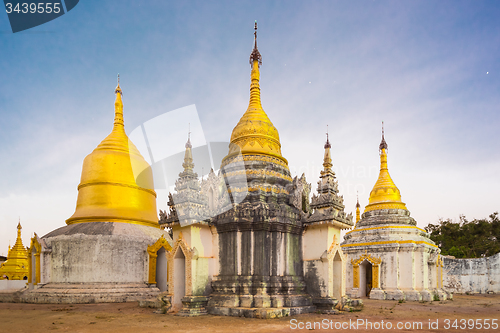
(118, 139)
(327, 143)
(385, 194)
(255, 134)
(255, 62)
(327, 159)
(357, 209)
(188, 204)
(327, 183)
(188, 164)
(328, 205)
(16, 266)
(383, 144)
(18, 247)
(118, 123)
(255, 55)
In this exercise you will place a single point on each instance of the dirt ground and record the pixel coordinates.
(129, 317)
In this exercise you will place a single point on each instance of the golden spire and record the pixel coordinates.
(255, 134)
(385, 194)
(16, 266)
(357, 209)
(116, 183)
(118, 139)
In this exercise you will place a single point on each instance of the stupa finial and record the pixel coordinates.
(327, 144)
(357, 208)
(188, 143)
(118, 89)
(118, 123)
(383, 144)
(255, 55)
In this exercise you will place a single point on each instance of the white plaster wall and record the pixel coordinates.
(348, 271)
(97, 258)
(421, 271)
(201, 284)
(336, 289)
(317, 239)
(389, 269)
(481, 275)
(45, 267)
(201, 238)
(186, 233)
(406, 268)
(12, 284)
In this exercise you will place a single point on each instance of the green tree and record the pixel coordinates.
(467, 239)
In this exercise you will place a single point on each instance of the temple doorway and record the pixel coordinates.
(337, 276)
(365, 278)
(179, 279)
(161, 269)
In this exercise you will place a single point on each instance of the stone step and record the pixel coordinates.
(261, 313)
(92, 285)
(90, 293)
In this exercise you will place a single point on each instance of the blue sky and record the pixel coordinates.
(429, 69)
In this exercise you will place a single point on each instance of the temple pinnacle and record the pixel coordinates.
(118, 89)
(385, 194)
(188, 143)
(327, 144)
(357, 208)
(383, 144)
(255, 55)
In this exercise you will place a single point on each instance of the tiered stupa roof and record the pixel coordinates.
(255, 133)
(385, 194)
(16, 266)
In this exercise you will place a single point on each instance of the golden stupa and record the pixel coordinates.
(385, 194)
(16, 266)
(255, 134)
(116, 183)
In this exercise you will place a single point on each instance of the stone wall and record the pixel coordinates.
(481, 275)
(97, 259)
(12, 284)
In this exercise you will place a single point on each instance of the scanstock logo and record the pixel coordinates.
(26, 14)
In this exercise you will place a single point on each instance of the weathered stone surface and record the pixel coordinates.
(98, 252)
(260, 313)
(260, 242)
(99, 228)
(479, 275)
(193, 306)
(87, 293)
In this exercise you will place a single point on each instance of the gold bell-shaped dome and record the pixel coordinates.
(385, 194)
(255, 134)
(117, 182)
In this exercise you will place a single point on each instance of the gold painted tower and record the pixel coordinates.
(385, 194)
(255, 134)
(116, 183)
(16, 266)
